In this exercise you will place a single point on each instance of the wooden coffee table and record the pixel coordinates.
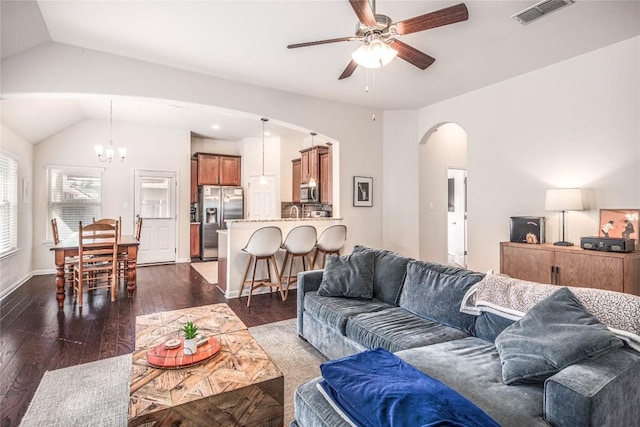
(240, 385)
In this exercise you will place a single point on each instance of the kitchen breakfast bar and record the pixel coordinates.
(232, 260)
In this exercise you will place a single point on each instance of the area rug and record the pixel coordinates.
(91, 394)
(208, 270)
(97, 393)
(298, 360)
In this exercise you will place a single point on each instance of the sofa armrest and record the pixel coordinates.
(308, 281)
(596, 392)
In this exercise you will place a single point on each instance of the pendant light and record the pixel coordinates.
(263, 178)
(110, 151)
(312, 182)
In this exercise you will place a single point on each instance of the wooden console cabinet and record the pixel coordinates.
(571, 266)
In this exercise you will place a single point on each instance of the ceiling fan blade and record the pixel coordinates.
(412, 55)
(363, 10)
(349, 70)
(341, 39)
(446, 16)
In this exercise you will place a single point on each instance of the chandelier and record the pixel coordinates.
(110, 151)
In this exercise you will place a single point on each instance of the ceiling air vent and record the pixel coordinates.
(539, 10)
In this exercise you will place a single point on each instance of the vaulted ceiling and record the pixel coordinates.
(246, 41)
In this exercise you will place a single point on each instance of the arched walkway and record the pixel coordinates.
(442, 147)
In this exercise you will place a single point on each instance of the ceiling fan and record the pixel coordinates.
(380, 36)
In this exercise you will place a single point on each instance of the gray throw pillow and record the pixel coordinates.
(389, 271)
(553, 334)
(348, 276)
(432, 292)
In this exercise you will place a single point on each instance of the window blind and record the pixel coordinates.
(8, 204)
(74, 195)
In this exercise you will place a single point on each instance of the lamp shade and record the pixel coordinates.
(563, 199)
(374, 54)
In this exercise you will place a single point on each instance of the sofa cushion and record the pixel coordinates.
(471, 366)
(376, 387)
(489, 325)
(348, 276)
(555, 333)
(397, 329)
(389, 271)
(512, 298)
(435, 292)
(336, 311)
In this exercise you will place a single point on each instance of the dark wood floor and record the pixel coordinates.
(36, 337)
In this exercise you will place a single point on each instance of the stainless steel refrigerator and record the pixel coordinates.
(217, 204)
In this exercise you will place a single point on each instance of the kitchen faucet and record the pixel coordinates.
(297, 211)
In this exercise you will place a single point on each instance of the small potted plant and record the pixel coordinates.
(190, 338)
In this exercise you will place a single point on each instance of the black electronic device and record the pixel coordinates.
(527, 229)
(613, 244)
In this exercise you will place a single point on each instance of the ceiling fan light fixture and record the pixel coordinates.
(374, 54)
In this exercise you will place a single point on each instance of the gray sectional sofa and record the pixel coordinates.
(414, 310)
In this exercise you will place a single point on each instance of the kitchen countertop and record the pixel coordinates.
(284, 219)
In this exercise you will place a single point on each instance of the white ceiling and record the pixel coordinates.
(246, 41)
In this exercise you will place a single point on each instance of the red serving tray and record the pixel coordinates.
(161, 357)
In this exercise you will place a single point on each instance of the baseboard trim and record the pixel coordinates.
(15, 286)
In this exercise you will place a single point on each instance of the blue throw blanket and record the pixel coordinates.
(376, 388)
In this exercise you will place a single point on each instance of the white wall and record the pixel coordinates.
(55, 68)
(574, 123)
(16, 268)
(147, 148)
(215, 146)
(400, 182)
(445, 148)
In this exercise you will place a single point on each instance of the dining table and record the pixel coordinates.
(69, 248)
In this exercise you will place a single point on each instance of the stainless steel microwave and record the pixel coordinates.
(309, 194)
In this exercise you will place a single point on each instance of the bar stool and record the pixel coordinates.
(263, 245)
(299, 243)
(330, 242)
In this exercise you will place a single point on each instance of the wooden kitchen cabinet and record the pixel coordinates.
(310, 162)
(194, 180)
(208, 169)
(296, 179)
(195, 240)
(217, 169)
(571, 266)
(230, 170)
(325, 178)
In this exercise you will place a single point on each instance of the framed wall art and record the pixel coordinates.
(619, 223)
(363, 191)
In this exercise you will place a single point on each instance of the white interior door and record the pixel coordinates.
(457, 217)
(262, 202)
(155, 202)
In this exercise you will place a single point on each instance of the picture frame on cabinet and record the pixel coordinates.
(619, 223)
(362, 191)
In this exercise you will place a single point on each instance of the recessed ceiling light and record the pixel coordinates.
(215, 127)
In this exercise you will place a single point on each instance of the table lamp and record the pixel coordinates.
(563, 199)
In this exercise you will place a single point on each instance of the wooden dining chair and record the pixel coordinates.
(123, 257)
(138, 228)
(97, 260)
(110, 221)
(54, 230)
(69, 262)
